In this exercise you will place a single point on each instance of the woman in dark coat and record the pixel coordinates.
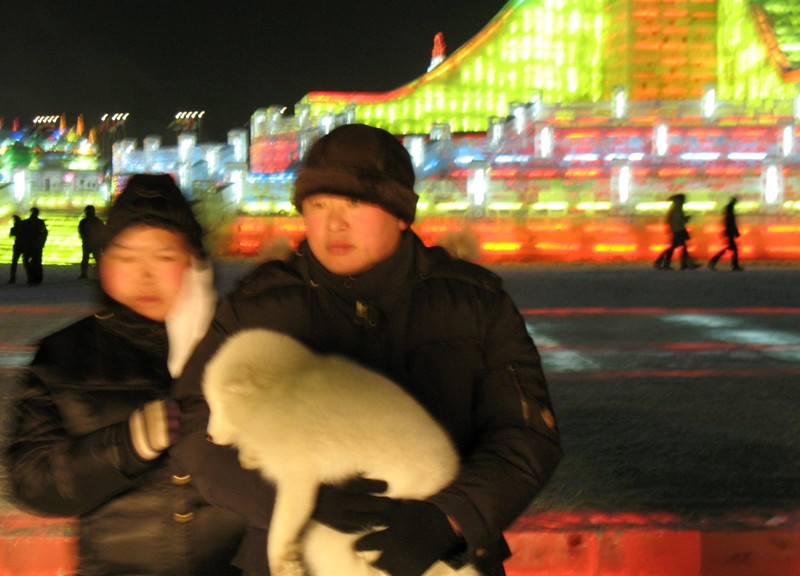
(676, 220)
(731, 233)
(92, 421)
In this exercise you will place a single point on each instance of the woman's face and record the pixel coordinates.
(143, 268)
(350, 236)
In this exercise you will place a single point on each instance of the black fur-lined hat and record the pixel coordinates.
(155, 200)
(362, 162)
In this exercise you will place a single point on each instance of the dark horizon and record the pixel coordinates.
(153, 59)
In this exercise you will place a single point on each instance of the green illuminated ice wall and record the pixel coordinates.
(570, 51)
(754, 61)
(553, 47)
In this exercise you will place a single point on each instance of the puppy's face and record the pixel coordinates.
(225, 417)
(227, 408)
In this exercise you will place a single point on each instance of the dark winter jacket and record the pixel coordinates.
(447, 332)
(677, 219)
(92, 232)
(729, 222)
(32, 235)
(70, 455)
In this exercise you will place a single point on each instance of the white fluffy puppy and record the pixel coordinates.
(303, 419)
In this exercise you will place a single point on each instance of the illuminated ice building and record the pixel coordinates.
(61, 169)
(561, 129)
(557, 133)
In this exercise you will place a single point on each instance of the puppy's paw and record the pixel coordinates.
(291, 564)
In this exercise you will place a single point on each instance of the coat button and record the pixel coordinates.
(480, 552)
(183, 518)
(181, 479)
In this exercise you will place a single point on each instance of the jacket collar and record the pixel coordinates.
(142, 333)
(374, 293)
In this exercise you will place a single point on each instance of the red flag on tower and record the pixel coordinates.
(438, 53)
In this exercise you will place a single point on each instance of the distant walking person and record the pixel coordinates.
(17, 249)
(731, 233)
(676, 219)
(92, 232)
(33, 237)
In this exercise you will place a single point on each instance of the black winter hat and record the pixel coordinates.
(361, 162)
(154, 200)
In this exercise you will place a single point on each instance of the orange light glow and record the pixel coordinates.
(675, 13)
(556, 247)
(615, 248)
(644, 13)
(783, 229)
(501, 246)
(582, 172)
(596, 238)
(725, 171)
(673, 172)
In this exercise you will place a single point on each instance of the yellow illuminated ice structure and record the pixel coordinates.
(570, 51)
(63, 241)
(526, 41)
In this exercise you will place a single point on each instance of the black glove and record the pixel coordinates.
(418, 534)
(353, 506)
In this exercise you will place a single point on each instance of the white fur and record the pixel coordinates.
(304, 419)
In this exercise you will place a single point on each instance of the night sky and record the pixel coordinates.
(153, 58)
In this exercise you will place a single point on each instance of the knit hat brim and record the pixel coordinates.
(155, 200)
(364, 185)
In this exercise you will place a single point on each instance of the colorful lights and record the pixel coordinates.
(787, 140)
(571, 51)
(709, 102)
(522, 44)
(579, 110)
(190, 115)
(624, 179)
(115, 117)
(47, 120)
(619, 102)
(773, 184)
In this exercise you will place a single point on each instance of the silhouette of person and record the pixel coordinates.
(92, 232)
(33, 237)
(731, 233)
(676, 219)
(16, 250)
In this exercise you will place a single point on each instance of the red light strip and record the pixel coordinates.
(700, 373)
(589, 311)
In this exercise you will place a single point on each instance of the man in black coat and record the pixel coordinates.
(363, 285)
(16, 228)
(33, 236)
(92, 233)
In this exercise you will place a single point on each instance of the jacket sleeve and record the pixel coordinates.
(54, 472)
(516, 447)
(215, 469)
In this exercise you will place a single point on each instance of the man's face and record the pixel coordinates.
(350, 236)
